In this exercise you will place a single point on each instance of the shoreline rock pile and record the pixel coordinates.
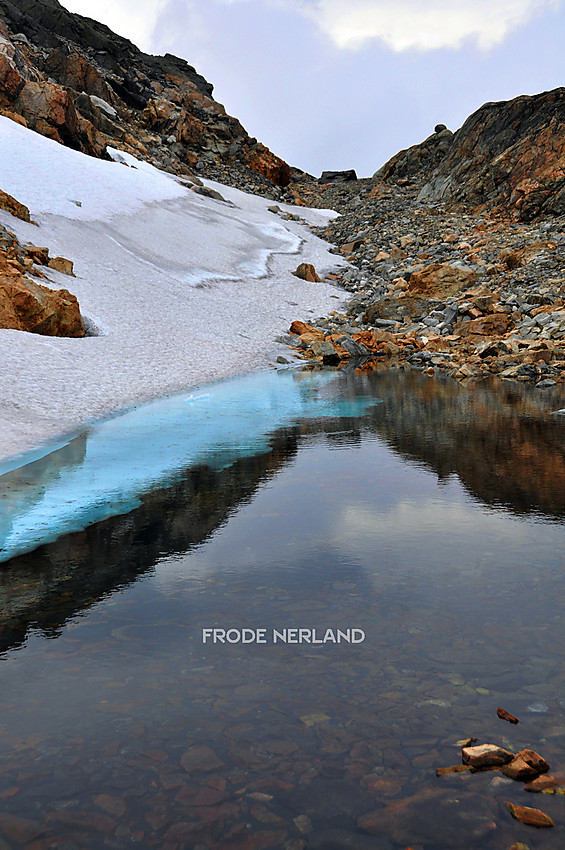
(467, 294)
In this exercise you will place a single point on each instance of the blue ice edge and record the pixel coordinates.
(105, 471)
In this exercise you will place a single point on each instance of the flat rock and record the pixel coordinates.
(531, 817)
(486, 755)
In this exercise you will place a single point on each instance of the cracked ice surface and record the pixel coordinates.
(182, 289)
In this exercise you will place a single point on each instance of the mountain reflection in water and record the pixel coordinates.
(432, 520)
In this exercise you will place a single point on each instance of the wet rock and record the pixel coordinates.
(526, 764)
(504, 715)
(332, 801)
(531, 817)
(433, 817)
(200, 760)
(541, 783)
(486, 755)
(341, 839)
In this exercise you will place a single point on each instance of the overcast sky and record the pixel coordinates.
(334, 84)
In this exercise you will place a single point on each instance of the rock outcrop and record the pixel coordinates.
(508, 157)
(26, 305)
(420, 160)
(75, 81)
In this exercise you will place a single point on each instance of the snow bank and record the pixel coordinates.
(49, 178)
(181, 289)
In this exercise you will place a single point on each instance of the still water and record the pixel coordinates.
(426, 515)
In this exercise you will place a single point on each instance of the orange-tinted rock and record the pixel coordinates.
(456, 768)
(486, 755)
(298, 327)
(28, 306)
(49, 110)
(11, 81)
(75, 72)
(264, 162)
(508, 155)
(8, 203)
(545, 781)
(441, 280)
(525, 765)
(62, 265)
(306, 271)
(531, 817)
(495, 324)
(504, 715)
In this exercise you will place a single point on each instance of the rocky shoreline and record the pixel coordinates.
(437, 290)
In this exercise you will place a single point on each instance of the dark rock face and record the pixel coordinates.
(419, 161)
(508, 155)
(54, 64)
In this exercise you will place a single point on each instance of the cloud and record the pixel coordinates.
(418, 24)
(134, 19)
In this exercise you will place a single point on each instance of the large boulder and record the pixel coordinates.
(441, 280)
(338, 176)
(28, 306)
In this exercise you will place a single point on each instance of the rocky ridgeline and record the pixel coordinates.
(75, 81)
(436, 288)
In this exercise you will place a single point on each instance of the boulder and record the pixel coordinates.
(28, 306)
(441, 280)
(306, 271)
(486, 755)
(62, 265)
(527, 764)
(8, 203)
(338, 176)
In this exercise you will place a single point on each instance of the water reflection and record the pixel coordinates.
(127, 729)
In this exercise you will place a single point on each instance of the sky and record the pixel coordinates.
(339, 84)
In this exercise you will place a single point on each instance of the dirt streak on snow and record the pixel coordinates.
(181, 289)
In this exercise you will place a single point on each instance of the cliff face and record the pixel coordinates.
(508, 157)
(74, 80)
